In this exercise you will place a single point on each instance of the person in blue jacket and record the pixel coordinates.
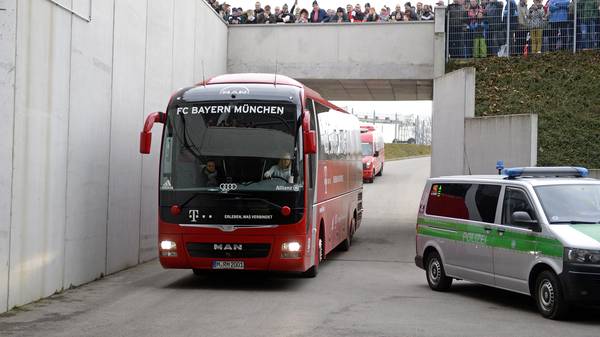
(512, 19)
(317, 14)
(559, 23)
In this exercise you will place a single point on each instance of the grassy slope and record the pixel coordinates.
(395, 151)
(562, 88)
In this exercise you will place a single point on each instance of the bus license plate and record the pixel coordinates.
(228, 265)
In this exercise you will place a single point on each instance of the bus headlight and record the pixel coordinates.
(577, 255)
(168, 248)
(291, 250)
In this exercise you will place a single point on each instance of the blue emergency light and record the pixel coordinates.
(560, 171)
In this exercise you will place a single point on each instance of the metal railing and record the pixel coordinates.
(492, 28)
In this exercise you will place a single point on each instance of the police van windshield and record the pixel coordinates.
(233, 146)
(367, 149)
(571, 204)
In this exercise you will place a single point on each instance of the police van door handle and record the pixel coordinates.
(501, 231)
(487, 229)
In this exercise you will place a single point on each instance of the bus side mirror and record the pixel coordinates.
(376, 154)
(145, 142)
(310, 142)
(146, 134)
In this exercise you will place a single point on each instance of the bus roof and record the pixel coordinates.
(262, 78)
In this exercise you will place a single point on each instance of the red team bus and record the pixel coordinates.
(257, 172)
(372, 151)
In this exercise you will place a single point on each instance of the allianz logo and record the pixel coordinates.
(227, 246)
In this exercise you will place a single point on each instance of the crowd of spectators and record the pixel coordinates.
(356, 13)
(478, 28)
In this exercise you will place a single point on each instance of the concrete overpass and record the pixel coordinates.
(371, 61)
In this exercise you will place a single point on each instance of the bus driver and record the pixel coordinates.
(282, 169)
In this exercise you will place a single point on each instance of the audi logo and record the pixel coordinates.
(227, 187)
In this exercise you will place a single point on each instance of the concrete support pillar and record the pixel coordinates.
(453, 101)
(439, 42)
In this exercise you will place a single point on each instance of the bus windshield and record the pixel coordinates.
(231, 146)
(367, 149)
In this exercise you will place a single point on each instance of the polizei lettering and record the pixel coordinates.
(227, 246)
(227, 109)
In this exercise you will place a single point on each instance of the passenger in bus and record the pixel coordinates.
(281, 170)
(209, 175)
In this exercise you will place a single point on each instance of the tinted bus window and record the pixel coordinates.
(464, 201)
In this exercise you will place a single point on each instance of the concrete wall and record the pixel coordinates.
(463, 144)
(341, 51)
(77, 200)
(511, 138)
(595, 174)
(453, 101)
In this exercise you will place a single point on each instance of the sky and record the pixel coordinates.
(383, 109)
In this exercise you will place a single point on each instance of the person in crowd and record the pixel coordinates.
(398, 14)
(367, 10)
(317, 15)
(249, 17)
(277, 13)
(419, 10)
(384, 15)
(535, 18)
(339, 16)
(496, 35)
(478, 27)
(350, 13)
(372, 16)
(209, 175)
(523, 27)
(410, 9)
(258, 9)
(236, 17)
(302, 16)
(427, 13)
(225, 11)
(559, 24)
(330, 14)
(297, 13)
(472, 12)
(266, 16)
(587, 15)
(282, 170)
(358, 14)
(510, 17)
(285, 15)
(457, 17)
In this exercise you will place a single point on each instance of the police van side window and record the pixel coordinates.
(464, 201)
(515, 200)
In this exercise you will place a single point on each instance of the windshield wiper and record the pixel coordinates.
(236, 195)
(574, 222)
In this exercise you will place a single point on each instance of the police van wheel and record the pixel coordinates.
(549, 296)
(436, 276)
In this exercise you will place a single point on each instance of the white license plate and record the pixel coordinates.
(228, 265)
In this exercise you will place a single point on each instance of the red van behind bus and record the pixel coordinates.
(373, 151)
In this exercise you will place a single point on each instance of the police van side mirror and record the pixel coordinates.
(521, 218)
(146, 134)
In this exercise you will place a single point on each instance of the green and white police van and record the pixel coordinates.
(532, 230)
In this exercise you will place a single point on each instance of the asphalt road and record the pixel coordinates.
(373, 290)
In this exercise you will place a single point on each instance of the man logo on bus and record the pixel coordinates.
(235, 90)
(227, 187)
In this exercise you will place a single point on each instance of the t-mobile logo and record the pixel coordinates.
(193, 214)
